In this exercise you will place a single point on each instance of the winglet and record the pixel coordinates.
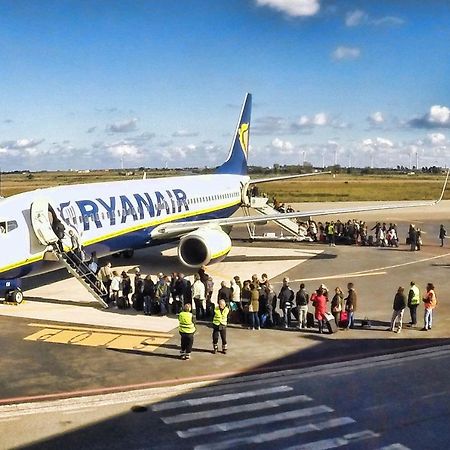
(443, 188)
(236, 163)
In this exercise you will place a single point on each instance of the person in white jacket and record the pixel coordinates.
(235, 292)
(198, 294)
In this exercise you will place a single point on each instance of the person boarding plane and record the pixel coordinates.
(119, 216)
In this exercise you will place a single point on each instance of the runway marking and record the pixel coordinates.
(374, 271)
(395, 447)
(332, 277)
(103, 330)
(326, 444)
(95, 337)
(280, 434)
(254, 421)
(220, 398)
(248, 407)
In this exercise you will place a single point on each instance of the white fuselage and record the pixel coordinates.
(112, 216)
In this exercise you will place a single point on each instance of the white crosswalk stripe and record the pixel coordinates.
(255, 421)
(277, 434)
(249, 407)
(326, 444)
(219, 398)
(394, 447)
(274, 421)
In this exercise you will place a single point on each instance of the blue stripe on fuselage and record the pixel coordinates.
(132, 240)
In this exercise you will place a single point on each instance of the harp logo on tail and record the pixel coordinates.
(243, 138)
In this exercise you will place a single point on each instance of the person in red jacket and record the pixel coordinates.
(319, 302)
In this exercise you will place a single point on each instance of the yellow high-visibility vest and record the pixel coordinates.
(416, 297)
(220, 316)
(185, 322)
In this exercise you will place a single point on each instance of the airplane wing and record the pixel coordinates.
(174, 229)
(285, 177)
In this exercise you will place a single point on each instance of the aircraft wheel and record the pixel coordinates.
(16, 296)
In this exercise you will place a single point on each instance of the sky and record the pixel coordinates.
(160, 83)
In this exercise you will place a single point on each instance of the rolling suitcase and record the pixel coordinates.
(122, 302)
(331, 324)
(309, 320)
(343, 319)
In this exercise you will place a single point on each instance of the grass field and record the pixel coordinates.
(356, 188)
(323, 188)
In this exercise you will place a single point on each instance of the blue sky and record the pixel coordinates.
(160, 82)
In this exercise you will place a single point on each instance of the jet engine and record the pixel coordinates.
(203, 246)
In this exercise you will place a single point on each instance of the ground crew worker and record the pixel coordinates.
(413, 302)
(186, 327)
(330, 234)
(220, 326)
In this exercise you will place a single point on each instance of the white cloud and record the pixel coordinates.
(294, 8)
(359, 17)
(388, 20)
(320, 119)
(437, 117)
(436, 138)
(184, 133)
(123, 148)
(21, 144)
(384, 142)
(440, 114)
(284, 147)
(377, 142)
(123, 127)
(303, 121)
(342, 53)
(355, 18)
(376, 118)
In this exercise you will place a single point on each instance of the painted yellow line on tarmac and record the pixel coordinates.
(103, 330)
(94, 337)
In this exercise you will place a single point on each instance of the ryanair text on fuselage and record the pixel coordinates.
(125, 208)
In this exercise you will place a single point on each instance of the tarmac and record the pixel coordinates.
(59, 344)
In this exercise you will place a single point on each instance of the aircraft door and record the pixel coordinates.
(42, 221)
(244, 194)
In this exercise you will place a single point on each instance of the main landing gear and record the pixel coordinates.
(10, 291)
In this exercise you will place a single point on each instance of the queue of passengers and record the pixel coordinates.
(350, 232)
(252, 303)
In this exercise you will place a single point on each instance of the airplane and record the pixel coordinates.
(121, 216)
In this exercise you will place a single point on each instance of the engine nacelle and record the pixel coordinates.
(203, 246)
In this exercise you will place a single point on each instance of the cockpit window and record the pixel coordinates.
(11, 225)
(7, 226)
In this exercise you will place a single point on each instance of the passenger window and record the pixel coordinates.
(2, 227)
